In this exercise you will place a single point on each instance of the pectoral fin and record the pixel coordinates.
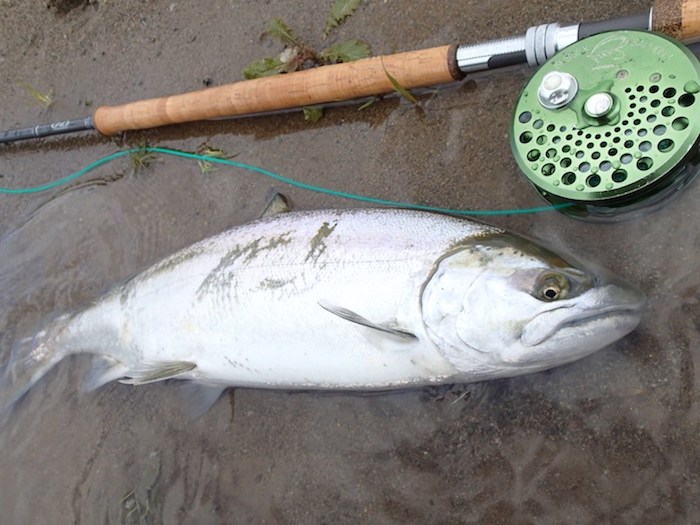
(156, 372)
(353, 317)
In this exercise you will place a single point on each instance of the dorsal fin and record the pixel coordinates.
(276, 204)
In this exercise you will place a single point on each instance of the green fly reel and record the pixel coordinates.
(610, 125)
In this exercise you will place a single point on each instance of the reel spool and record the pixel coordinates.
(611, 124)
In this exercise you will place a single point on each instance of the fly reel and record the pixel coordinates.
(610, 125)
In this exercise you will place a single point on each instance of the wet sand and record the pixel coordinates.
(609, 439)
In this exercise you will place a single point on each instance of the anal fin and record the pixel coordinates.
(199, 397)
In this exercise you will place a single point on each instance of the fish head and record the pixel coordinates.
(503, 305)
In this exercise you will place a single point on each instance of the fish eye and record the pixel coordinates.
(551, 293)
(553, 286)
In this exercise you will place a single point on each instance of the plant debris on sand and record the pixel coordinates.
(298, 55)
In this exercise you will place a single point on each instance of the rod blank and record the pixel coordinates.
(46, 130)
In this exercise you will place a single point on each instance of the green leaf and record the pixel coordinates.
(262, 68)
(313, 113)
(405, 93)
(367, 104)
(340, 11)
(282, 31)
(346, 51)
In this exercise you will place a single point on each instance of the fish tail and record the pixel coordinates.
(31, 358)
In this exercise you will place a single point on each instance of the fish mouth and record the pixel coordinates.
(620, 320)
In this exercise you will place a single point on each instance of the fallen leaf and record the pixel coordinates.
(346, 51)
(282, 31)
(262, 68)
(405, 93)
(313, 113)
(340, 11)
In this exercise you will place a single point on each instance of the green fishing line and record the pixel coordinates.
(272, 175)
(68, 178)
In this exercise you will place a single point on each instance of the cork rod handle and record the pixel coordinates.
(679, 19)
(332, 83)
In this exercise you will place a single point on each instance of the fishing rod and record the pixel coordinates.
(679, 19)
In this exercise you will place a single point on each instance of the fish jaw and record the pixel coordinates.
(552, 324)
(600, 317)
(577, 339)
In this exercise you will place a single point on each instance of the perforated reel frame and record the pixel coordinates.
(627, 158)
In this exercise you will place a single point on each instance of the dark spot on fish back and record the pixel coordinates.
(318, 245)
(222, 273)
